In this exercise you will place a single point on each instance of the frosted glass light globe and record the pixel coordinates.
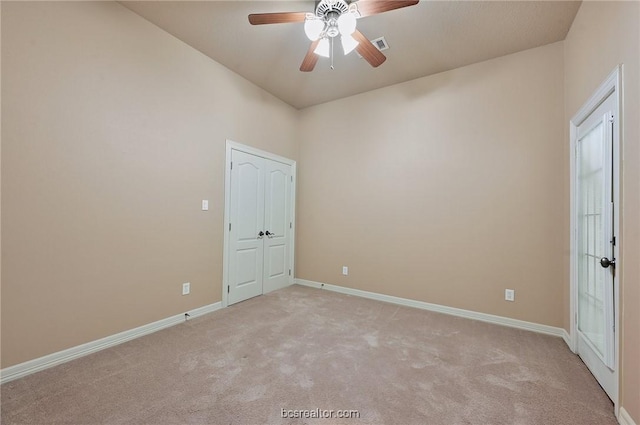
(323, 48)
(313, 28)
(347, 23)
(348, 43)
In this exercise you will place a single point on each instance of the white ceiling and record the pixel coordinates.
(425, 39)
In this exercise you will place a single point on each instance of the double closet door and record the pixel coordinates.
(260, 226)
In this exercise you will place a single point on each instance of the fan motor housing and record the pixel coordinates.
(325, 7)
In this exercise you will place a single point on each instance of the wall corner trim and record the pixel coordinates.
(36, 365)
(484, 317)
(624, 418)
(567, 339)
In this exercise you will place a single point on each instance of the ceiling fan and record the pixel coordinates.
(334, 18)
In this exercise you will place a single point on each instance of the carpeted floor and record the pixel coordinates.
(303, 348)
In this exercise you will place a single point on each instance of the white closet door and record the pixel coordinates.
(277, 222)
(247, 222)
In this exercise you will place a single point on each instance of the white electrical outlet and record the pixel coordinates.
(510, 294)
(205, 205)
(345, 270)
(186, 288)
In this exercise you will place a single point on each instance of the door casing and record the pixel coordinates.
(230, 146)
(610, 87)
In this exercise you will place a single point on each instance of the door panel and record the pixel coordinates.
(276, 264)
(591, 276)
(246, 271)
(250, 200)
(594, 209)
(277, 222)
(276, 202)
(247, 221)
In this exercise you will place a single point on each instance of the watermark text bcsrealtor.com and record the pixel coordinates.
(319, 414)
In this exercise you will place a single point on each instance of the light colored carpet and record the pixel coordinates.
(303, 348)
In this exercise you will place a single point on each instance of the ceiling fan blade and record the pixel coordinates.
(309, 61)
(276, 18)
(368, 51)
(373, 7)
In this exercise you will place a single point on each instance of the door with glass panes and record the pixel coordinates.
(595, 244)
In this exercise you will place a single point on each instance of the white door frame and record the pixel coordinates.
(611, 86)
(231, 145)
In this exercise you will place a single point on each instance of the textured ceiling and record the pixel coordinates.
(425, 39)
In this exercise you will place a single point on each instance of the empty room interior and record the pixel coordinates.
(367, 212)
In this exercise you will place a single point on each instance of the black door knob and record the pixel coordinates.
(605, 262)
(269, 234)
(261, 234)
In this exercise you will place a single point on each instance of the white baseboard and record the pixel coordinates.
(567, 339)
(484, 317)
(624, 418)
(54, 359)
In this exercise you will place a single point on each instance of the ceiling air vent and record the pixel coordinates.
(380, 43)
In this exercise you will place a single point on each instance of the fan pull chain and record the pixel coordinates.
(332, 52)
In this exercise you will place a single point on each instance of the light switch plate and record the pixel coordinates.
(205, 205)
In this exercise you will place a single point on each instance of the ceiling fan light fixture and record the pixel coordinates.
(347, 23)
(323, 48)
(313, 28)
(332, 18)
(348, 43)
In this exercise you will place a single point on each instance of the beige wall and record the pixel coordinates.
(113, 131)
(445, 189)
(603, 35)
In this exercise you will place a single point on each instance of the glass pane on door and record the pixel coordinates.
(591, 246)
